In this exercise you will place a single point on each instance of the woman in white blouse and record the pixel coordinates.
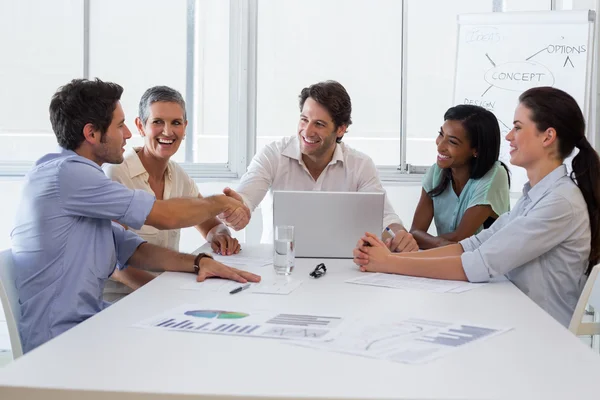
(161, 122)
(548, 243)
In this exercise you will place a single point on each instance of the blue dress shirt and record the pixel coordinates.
(65, 245)
(542, 245)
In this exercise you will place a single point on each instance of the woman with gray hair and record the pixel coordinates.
(161, 122)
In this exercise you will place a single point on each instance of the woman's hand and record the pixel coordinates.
(371, 254)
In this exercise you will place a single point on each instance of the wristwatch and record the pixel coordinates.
(197, 260)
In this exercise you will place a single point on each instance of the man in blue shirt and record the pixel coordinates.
(65, 244)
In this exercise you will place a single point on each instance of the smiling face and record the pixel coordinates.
(110, 148)
(317, 133)
(453, 145)
(526, 141)
(164, 129)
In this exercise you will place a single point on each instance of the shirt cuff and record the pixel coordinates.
(467, 244)
(247, 202)
(392, 219)
(139, 207)
(474, 266)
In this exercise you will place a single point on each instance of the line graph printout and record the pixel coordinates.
(411, 340)
(257, 323)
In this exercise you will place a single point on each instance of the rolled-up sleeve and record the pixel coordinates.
(85, 191)
(126, 243)
(502, 248)
(473, 242)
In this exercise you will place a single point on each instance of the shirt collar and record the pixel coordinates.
(66, 152)
(292, 150)
(61, 152)
(135, 166)
(536, 192)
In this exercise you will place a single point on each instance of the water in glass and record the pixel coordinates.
(284, 257)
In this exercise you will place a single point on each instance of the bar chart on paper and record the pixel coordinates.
(189, 325)
(411, 340)
(455, 337)
(198, 319)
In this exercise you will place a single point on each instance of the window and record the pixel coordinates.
(182, 44)
(431, 51)
(143, 45)
(301, 42)
(40, 50)
(240, 65)
(211, 122)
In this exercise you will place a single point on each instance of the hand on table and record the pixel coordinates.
(210, 268)
(371, 254)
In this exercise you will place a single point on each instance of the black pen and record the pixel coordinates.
(240, 288)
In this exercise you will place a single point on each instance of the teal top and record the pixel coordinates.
(448, 208)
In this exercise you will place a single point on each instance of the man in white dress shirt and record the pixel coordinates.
(315, 159)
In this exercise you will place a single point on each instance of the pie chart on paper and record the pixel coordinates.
(216, 314)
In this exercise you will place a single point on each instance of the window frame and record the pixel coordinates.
(242, 92)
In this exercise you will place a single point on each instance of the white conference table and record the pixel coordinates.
(106, 358)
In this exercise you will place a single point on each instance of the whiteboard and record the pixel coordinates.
(500, 55)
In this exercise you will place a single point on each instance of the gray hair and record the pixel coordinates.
(162, 94)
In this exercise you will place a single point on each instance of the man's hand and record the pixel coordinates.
(234, 216)
(371, 254)
(222, 243)
(402, 242)
(210, 268)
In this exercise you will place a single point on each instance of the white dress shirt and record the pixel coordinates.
(279, 166)
(131, 173)
(542, 245)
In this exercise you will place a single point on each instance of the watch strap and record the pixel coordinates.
(197, 260)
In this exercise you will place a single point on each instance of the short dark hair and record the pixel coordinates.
(483, 132)
(159, 94)
(82, 102)
(334, 97)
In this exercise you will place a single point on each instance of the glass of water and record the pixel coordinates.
(284, 255)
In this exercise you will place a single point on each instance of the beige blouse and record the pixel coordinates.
(132, 174)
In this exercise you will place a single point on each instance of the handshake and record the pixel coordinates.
(235, 214)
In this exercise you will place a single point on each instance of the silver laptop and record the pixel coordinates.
(328, 224)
